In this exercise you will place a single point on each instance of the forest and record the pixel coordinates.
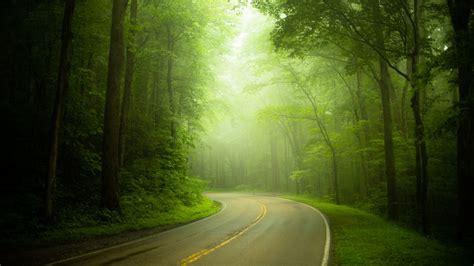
(119, 114)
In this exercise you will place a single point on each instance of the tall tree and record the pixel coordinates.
(460, 13)
(61, 89)
(110, 151)
(385, 87)
(417, 85)
(169, 81)
(129, 69)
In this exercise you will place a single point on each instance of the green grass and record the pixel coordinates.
(179, 214)
(361, 238)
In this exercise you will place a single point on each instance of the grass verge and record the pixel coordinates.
(180, 214)
(361, 238)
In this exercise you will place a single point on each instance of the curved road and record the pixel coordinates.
(249, 230)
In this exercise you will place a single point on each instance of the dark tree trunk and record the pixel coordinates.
(127, 91)
(110, 153)
(388, 143)
(403, 101)
(460, 12)
(62, 87)
(420, 144)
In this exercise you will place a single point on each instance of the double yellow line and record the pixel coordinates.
(194, 257)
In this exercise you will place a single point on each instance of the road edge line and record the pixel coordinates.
(327, 244)
(224, 206)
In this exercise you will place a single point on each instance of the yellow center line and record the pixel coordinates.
(207, 251)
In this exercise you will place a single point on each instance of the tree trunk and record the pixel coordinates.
(110, 153)
(365, 131)
(61, 90)
(127, 91)
(154, 99)
(275, 171)
(460, 12)
(169, 81)
(384, 83)
(334, 174)
(403, 101)
(322, 128)
(420, 144)
(388, 143)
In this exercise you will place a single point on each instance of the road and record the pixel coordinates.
(249, 230)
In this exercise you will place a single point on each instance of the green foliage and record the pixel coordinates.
(137, 214)
(155, 185)
(361, 238)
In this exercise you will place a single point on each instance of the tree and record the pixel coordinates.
(322, 130)
(385, 87)
(110, 153)
(300, 27)
(61, 90)
(169, 81)
(129, 69)
(460, 13)
(417, 84)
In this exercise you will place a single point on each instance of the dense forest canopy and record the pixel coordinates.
(115, 108)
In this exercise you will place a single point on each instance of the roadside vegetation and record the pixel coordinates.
(363, 238)
(98, 223)
(138, 213)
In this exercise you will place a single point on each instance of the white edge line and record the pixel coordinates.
(136, 240)
(327, 243)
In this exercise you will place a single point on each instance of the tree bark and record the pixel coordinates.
(460, 12)
(110, 151)
(169, 81)
(127, 91)
(61, 90)
(363, 135)
(384, 84)
(420, 144)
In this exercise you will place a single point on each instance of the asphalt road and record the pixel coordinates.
(249, 230)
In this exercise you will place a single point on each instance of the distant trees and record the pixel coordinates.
(302, 87)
